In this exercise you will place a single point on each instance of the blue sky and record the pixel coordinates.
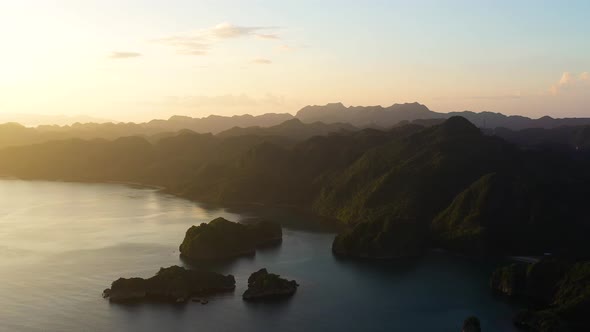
(135, 60)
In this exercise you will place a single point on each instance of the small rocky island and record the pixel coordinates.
(471, 324)
(264, 285)
(557, 290)
(221, 238)
(172, 284)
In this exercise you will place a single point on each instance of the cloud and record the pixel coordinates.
(124, 55)
(570, 82)
(199, 42)
(285, 48)
(267, 36)
(227, 30)
(261, 61)
(189, 45)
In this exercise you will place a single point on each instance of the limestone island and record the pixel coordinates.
(172, 284)
(557, 291)
(471, 324)
(221, 238)
(264, 285)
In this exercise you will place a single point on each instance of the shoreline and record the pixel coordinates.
(239, 207)
(125, 183)
(243, 207)
(133, 184)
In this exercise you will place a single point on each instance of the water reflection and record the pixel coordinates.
(63, 244)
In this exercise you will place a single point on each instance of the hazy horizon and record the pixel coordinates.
(136, 61)
(34, 120)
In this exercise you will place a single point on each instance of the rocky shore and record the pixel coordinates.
(557, 292)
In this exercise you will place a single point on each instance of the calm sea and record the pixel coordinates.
(61, 244)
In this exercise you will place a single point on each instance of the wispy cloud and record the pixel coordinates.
(271, 36)
(189, 45)
(228, 30)
(199, 42)
(569, 81)
(261, 61)
(124, 55)
(285, 48)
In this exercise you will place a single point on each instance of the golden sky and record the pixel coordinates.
(138, 60)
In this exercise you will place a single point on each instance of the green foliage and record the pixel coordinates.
(558, 290)
(392, 239)
(173, 283)
(510, 280)
(262, 284)
(573, 296)
(477, 219)
(221, 238)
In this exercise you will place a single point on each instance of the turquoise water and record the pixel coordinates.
(61, 244)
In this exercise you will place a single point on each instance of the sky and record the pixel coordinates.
(129, 60)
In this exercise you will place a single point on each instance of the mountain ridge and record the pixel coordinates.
(332, 117)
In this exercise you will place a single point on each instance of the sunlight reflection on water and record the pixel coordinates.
(61, 244)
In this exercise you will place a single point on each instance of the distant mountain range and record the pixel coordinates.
(14, 134)
(294, 129)
(215, 123)
(33, 120)
(379, 116)
(320, 120)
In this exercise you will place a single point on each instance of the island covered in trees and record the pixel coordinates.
(264, 285)
(221, 238)
(172, 284)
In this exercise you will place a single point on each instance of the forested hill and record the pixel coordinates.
(399, 190)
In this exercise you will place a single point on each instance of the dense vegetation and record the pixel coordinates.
(221, 238)
(263, 285)
(557, 290)
(399, 190)
(171, 284)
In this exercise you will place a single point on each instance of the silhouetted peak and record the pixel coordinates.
(178, 118)
(12, 125)
(458, 125)
(188, 132)
(335, 105)
(415, 106)
(311, 109)
(219, 220)
(292, 123)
